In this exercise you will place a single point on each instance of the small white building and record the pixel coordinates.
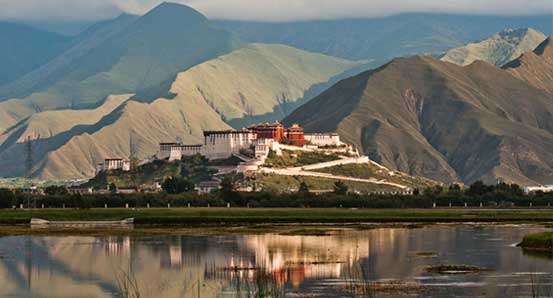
(206, 187)
(323, 139)
(112, 164)
(534, 189)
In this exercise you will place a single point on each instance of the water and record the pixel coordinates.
(321, 266)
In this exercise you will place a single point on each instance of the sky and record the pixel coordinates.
(265, 10)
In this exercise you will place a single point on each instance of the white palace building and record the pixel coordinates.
(251, 144)
(257, 138)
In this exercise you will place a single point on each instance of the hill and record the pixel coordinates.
(126, 55)
(381, 39)
(438, 120)
(25, 49)
(213, 95)
(499, 49)
(364, 176)
(535, 68)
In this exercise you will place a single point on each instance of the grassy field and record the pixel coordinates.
(538, 241)
(278, 183)
(368, 171)
(221, 216)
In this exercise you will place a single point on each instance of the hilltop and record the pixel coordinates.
(499, 49)
(535, 68)
(446, 122)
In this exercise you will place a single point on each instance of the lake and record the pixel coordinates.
(382, 262)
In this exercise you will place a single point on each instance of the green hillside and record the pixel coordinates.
(140, 55)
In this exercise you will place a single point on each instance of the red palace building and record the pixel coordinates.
(273, 131)
(276, 131)
(295, 136)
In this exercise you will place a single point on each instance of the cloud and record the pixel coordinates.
(267, 10)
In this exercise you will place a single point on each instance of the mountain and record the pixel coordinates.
(381, 39)
(252, 83)
(498, 50)
(126, 55)
(25, 49)
(443, 121)
(536, 68)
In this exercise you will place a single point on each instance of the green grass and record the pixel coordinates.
(538, 241)
(368, 171)
(297, 159)
(195, 168)
(278, 183)
(217, 216)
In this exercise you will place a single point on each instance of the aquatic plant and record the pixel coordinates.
(358, 283)
(127, 284)
(262, 285)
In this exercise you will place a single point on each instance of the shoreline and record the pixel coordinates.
(210, 221)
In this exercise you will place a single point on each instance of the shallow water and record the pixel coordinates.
(321, 266)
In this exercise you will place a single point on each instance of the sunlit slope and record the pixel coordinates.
(252, 83)
(50, 123)
(138, 54)
(442, 121)
(499, 49)
(535, 67)
(259, 82)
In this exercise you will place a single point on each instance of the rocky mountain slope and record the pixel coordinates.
(446, 122)
(499, 49)
(536, 68)
(255, 82)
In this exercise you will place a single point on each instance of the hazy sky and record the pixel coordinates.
(272, 10)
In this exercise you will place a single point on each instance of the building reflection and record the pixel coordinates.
(187, 266)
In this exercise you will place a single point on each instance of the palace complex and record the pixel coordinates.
(251, 144)
(254, 142)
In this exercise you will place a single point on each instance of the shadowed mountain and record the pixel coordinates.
(25, 49)
(126, 55)
(381, 39)
(499, 49)
(442, 121)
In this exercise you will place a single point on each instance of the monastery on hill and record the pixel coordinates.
(251, 144)
(258, 140)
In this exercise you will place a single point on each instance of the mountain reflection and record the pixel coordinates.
(190, 266)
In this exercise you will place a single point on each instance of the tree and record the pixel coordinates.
(228, 186)
(134, 164)
(340, 188)
(455, 187)
(478, 188)
(177, 185)
(55, 190)
(112, 188)
(7, 198)
(304, 188)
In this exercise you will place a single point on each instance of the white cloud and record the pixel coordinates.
(267, 10)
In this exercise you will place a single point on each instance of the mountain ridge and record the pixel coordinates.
(434, 119)
(499, 49)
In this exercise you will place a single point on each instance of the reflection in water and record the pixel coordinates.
(188, 266)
